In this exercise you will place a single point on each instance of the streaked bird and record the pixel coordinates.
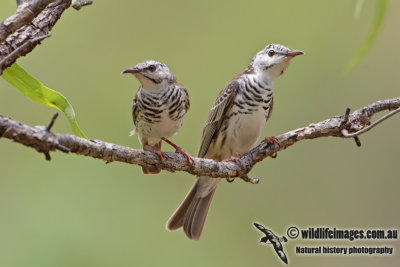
(158, 108)
(233, 127)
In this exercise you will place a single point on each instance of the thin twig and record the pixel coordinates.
(53, 120)
(20, 48)
(346, 117)
(79, 4)
(347, 134)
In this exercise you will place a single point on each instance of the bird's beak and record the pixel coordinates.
(295, 53)
(131, 70)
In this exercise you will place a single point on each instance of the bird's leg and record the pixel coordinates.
(235, 158)
(179, 150)
(275, 141)
(158, 152)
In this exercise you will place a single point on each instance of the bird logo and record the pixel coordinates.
(274, 240)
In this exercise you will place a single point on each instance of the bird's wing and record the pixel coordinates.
(271, 106)
(135, 107)
(261, 228)
(222, 104)
(280, 252)
(185, 96)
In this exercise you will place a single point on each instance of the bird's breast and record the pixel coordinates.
(245, 128)
(161, 126)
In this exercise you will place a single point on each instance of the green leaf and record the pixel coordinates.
(37, 92)
(373, 32)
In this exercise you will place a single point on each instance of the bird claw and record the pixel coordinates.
(272, 139)
(185, 154)
(235, 158)
(179, 150)
(247, 179)
(161, 154)
(273, 155)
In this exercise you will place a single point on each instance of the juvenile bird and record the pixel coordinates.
(233, 127)
(158, 109)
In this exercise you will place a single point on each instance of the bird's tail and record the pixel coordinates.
(152, 169)
(192, 213)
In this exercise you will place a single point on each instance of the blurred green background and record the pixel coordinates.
(78, 211)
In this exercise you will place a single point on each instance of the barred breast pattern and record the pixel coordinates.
(252, 94)
(165, 108)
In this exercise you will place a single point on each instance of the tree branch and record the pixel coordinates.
(38, 17)
(78, 4)
(44, 141)
(26, 12)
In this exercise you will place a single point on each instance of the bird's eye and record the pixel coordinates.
(152, 68)
(271, 53)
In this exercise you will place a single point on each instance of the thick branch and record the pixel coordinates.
(44, 141)
(26, 12)
(38, 27)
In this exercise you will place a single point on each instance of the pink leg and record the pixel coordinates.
(179, 150)
(159, 153)
(235, 157)
(275, 141)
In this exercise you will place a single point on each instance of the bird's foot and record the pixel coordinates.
(185, 154)
(180, 150)
(159, 153)
(247, 179)
(272, 139)
(235, 158)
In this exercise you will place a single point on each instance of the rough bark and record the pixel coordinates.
(26, 12)
(44, 141)
(26, 38)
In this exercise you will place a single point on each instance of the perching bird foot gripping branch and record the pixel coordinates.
(45, 141)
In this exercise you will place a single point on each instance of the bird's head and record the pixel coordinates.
(152, 74)
(273, 60)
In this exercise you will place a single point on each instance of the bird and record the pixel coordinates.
(233, 127)
(274, 240)
(158, 109)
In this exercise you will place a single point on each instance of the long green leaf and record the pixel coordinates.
(37, 92)
(373, 32)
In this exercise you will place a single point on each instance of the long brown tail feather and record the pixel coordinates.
(191, 214)
(176, 220)
(196, 216)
